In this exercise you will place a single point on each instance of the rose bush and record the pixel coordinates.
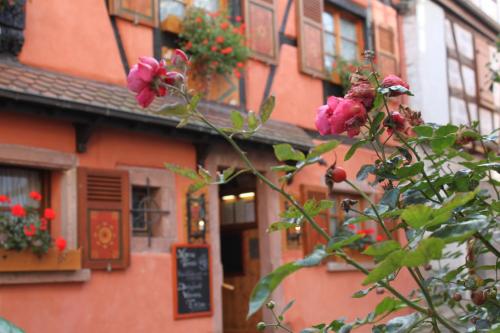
(439, 190)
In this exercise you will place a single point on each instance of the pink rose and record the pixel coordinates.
(144, 79)
(179, 58)
(393, 80)
(340, 115)
(363, 93)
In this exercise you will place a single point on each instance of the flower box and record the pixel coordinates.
(53, 260)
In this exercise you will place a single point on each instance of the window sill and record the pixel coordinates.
(334, 266)
(82, 275)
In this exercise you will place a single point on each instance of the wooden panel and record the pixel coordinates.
(310, 36)
(311, 237)
(235, 302)
(53, 260)
(483, 73)
(138, 11)
(103, 218)
(262, 32)
(387, 58)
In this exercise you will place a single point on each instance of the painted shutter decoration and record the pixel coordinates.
(262, 34)
(311, 237)
(484, 74)
(387, 61)
(310, 36)
(103, 218)
(138, 11)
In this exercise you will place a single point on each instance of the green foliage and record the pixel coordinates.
(8, 327)
(214, 43)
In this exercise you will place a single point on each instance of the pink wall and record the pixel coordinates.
(138, 299)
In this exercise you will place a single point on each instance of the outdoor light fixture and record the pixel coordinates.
(246, 195)
(229, 197)
(196, 218)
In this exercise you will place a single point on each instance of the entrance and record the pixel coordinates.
(239, 238)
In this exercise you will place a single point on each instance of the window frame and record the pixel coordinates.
(359, 23)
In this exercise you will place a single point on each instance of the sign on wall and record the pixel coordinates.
(192, 281)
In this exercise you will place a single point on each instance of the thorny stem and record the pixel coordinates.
(487, 244)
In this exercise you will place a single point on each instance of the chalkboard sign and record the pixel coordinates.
(192, 279)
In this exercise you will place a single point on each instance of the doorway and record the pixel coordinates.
(239, 239)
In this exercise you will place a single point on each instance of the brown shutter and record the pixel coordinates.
(262, 33)
(138, 11)
(484, 75)
(310, 36)
(387, 61)
(311, 237)
(103, 218)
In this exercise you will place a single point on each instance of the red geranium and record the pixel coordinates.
(60, 243)
(35, 196)
(43, 224)
(18, 211)
(380, 238)
(226, 50)
(30, 230)
(219, 39)
(49, 214)
(224, 25)
(4, 198)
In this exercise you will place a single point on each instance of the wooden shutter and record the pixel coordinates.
(311, 237)
(262, 33)
(103, 218)
(138, 11)
(310, 36)
(387, 60)
(484, 75)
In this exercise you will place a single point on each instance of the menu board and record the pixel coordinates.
(192, 278)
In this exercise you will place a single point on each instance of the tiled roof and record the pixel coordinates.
(33, 84)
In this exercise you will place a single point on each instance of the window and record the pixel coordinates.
(145, 210)
(17, 183)
(172, 11)
(342, 37)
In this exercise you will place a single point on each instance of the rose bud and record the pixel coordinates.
(393, 80)
(179, 58)
(478, 297)
(338, 175)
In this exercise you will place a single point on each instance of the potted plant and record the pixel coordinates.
(26, 243)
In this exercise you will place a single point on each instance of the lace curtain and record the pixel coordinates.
(18, 183)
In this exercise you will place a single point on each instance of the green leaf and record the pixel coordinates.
(336, 243)
(313, 208)
(382, 249)
(237, 120)
(424, 131)
(178, 110)
(363, 293)
(400, 89)
(197, 186)
(287, 307)
(253, 122)
(438, 218)
(282, 225)
(417, 215)
(227, 173)
(428, 249)
(389, 265)
(387, 305)
(390, 198)
(410, 170)
(266, 109)
(461, 231)
(441, 143)
(185, 172)
(195, 100)
(445, 130)
(353, 149)
(364, 171)
(323, 148)
(402, 324)
(378, 102)
(8, 327)
(267, 284)
(285, 152)
(377, 120)
(457, 201)
(496, 206)
(284, 167)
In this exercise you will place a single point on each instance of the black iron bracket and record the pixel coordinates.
(83, 132)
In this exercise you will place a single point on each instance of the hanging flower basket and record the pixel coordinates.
(52, 260)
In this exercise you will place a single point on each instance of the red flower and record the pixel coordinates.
(395, 122)
(43, 224)
(214, 14)
(370, 231)
(215, 63)
(352, 226)
(380, 238)
(213, 48)
(237, 73)
(224, 25)
(199, 19)
(219, 39)
(226, 50)
(340, 115)
(236, 31)
(238, 18)
(188, 45)
(29, 231)
(240, 65)
(18, 211)
(362, 92)
(361, 232)
(4, 198)
(60, 243)
(49, 214)
(393, 80)
(35, 196)
(179, 57)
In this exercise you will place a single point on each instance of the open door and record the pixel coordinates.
(239, 252)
